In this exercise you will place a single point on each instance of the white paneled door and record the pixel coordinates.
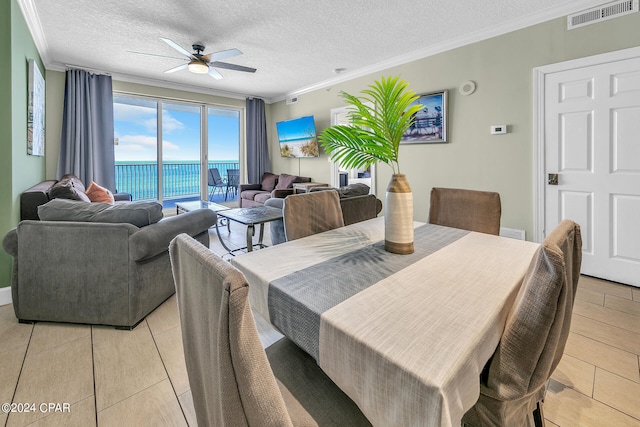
(592, 163)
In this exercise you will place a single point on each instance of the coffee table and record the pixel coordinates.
(257, 215)
(183, 207)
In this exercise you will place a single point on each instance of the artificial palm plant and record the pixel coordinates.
(379, 118)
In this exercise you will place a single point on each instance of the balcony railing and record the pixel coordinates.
(179, 179)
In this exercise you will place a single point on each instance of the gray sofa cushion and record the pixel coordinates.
(353, 190)
(135, 213)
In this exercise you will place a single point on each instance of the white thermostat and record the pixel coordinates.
(498, 129)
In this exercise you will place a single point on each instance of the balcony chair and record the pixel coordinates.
(215, 181)
(311, 213)
(512, 384)
(233, 380)
(233, 180)
(466, 209)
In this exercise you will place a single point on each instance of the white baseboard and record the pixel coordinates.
(5, 295)
(512, 233)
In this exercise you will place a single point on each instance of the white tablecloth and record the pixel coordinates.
(409, 348)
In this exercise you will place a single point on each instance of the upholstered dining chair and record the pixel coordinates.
(231, 377)
(215, 181)
(466, 209)
(512, 385)
(311, 213)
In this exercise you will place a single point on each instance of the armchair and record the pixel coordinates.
(95, 272)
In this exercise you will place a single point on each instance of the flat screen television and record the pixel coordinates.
(297, 137)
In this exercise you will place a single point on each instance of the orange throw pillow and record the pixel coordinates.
(97, 193)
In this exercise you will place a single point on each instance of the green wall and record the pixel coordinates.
(502, 68)
(18, 170)
(6, 207)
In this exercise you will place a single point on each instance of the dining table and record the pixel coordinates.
(404, 336)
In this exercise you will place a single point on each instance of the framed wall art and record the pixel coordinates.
(430, 125)
(35, 113)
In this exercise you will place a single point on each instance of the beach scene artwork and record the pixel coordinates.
(297, 137)
(430, 123)
(35, 113)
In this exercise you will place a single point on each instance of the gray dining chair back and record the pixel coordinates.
(466, 209)
(215, 181)
(311, 213)
(513, 383)
(231, 376)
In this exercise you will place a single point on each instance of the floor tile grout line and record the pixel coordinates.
(164, 366)
(596, 400)
(608, 325)
(139, 391)
(93, 374)
(24, 359)
(604, 369)
(130, 396)
(614, 310)
(606, 404)
(152, 385)
(58, 344)
(622, 311)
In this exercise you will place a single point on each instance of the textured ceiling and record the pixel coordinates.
(295, 45)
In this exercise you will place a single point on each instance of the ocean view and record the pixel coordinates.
(180, 179)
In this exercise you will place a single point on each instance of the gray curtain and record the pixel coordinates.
(86, 146)
(257, 145)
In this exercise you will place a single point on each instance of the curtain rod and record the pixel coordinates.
(90, 70)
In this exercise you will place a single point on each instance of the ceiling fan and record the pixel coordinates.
(206, 63)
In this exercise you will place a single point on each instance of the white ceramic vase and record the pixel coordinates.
(398, 216)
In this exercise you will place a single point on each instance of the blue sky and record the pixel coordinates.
(295, 129)
(430, 102)
(135, 127)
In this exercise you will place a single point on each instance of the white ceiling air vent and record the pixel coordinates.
(602, 13)
(292, 100)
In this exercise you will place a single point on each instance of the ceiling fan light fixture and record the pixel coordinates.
(198, 67)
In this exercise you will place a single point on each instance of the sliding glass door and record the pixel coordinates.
(181, 159)
(136, 147)
(223, 153)
(194, 138)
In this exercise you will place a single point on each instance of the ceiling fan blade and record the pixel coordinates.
(153, 54)
(215, 73)
(176, 47)
(223, 54)
(178, 68)
(232, 67)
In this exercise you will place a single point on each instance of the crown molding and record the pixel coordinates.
(32, 19)
(497, 30)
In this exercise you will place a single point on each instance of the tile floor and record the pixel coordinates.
(106, 377)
